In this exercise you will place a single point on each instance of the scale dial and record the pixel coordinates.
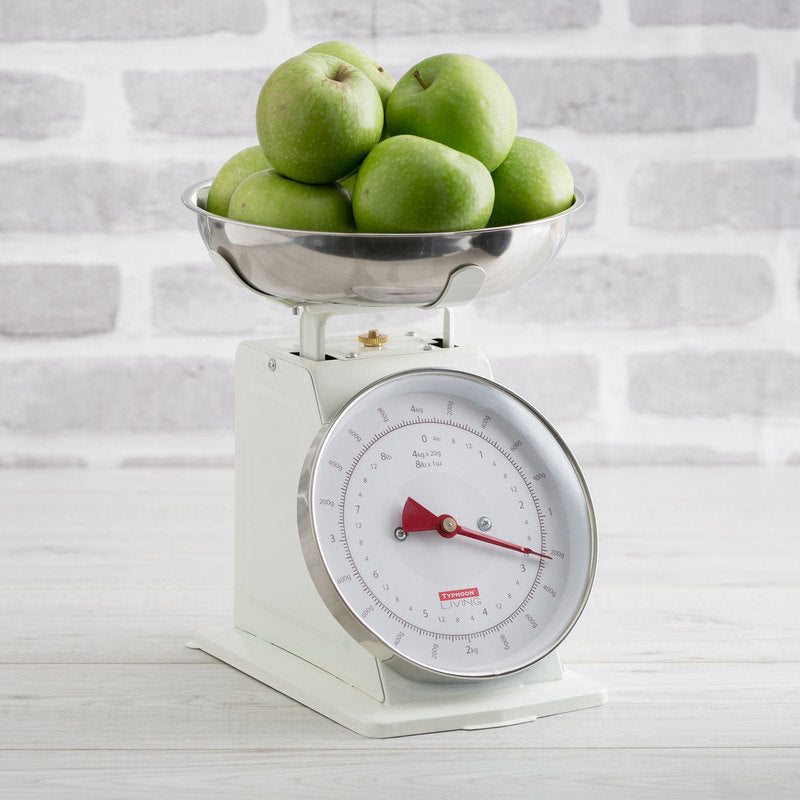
(446, 526)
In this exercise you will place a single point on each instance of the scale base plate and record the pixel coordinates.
(419, 707)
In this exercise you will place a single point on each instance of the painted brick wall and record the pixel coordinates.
(667, 331)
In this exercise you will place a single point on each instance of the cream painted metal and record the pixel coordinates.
(283, 633)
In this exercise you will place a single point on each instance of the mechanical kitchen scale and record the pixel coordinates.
(413, 541)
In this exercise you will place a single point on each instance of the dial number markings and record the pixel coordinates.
(507, 588)
(456, 535)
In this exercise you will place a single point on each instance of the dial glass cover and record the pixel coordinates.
(444, 521)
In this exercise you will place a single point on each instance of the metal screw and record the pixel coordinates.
(427, 347)
(351, 354)
(400, 534)
(272, 365)
(484, 524)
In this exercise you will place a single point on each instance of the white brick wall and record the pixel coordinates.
(667, 331)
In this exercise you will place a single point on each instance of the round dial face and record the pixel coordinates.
(445, 524)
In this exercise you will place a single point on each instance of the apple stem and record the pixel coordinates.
(419, 78)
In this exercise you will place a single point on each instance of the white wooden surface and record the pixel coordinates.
(692, 626)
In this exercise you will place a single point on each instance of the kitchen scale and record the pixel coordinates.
(413, 541)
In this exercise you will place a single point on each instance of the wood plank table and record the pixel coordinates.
(692, 626)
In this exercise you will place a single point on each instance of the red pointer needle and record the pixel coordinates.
(418, 518)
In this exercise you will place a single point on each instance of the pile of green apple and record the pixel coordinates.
(344, 148)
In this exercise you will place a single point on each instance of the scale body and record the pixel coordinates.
(283, 632)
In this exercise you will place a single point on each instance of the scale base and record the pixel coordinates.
(409, 707)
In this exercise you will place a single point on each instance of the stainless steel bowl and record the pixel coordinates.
(375, 269)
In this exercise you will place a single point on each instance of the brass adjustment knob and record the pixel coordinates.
(373, 338)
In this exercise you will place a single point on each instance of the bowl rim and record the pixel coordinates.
(189, 198)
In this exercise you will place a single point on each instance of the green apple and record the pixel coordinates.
(408, 184)
(317, 116)
(457, 100)
(269, 198)
(231, 174)
(533, 182)
(348, 183)
(358, 58)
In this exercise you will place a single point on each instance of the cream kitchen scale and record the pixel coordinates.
(413, 541)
